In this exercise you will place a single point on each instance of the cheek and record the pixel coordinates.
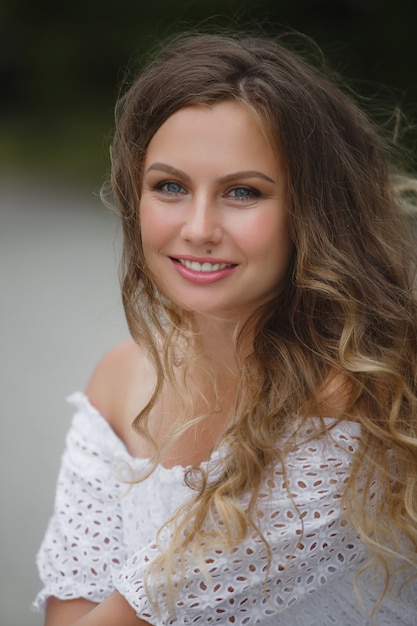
(274, 250)
(151, 228)
(266, 238)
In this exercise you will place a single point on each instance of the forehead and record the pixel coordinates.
(230, 127)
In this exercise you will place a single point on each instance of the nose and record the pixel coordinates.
(201, 223)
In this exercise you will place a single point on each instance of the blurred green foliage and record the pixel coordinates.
(61, 64)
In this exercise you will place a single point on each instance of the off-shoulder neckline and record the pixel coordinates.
(82, 403)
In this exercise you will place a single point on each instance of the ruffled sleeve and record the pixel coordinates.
(84, 538)
(311, 546)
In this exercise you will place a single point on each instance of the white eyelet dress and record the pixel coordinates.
(102, 533)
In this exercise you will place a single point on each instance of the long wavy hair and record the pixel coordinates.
(348, 307)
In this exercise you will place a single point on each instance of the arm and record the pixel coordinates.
(74, 562)
(114, 610)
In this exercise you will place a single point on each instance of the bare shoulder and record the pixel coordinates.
(121, 384)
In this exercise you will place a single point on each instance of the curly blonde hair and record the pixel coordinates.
(348, 307)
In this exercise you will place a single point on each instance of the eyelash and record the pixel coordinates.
(251, 191)
(161, 187)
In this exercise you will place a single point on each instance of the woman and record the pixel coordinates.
(270, 473)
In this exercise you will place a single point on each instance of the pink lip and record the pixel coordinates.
(202, 259)
(202, 278)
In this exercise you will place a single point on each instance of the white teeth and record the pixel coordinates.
(203, 267)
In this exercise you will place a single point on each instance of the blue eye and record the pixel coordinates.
(243, 193)
(170, 187)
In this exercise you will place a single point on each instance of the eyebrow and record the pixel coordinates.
(164, 167)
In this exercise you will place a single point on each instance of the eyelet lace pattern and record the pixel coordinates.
(102, 536)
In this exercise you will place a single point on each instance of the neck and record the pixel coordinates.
(217, 339)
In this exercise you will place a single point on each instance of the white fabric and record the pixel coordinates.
(103, 530)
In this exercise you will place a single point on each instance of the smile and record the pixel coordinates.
(205, 267)
(202, 272)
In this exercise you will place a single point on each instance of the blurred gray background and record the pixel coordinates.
(61, 65)
(60, 311)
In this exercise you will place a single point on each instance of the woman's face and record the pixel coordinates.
(213, 211)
